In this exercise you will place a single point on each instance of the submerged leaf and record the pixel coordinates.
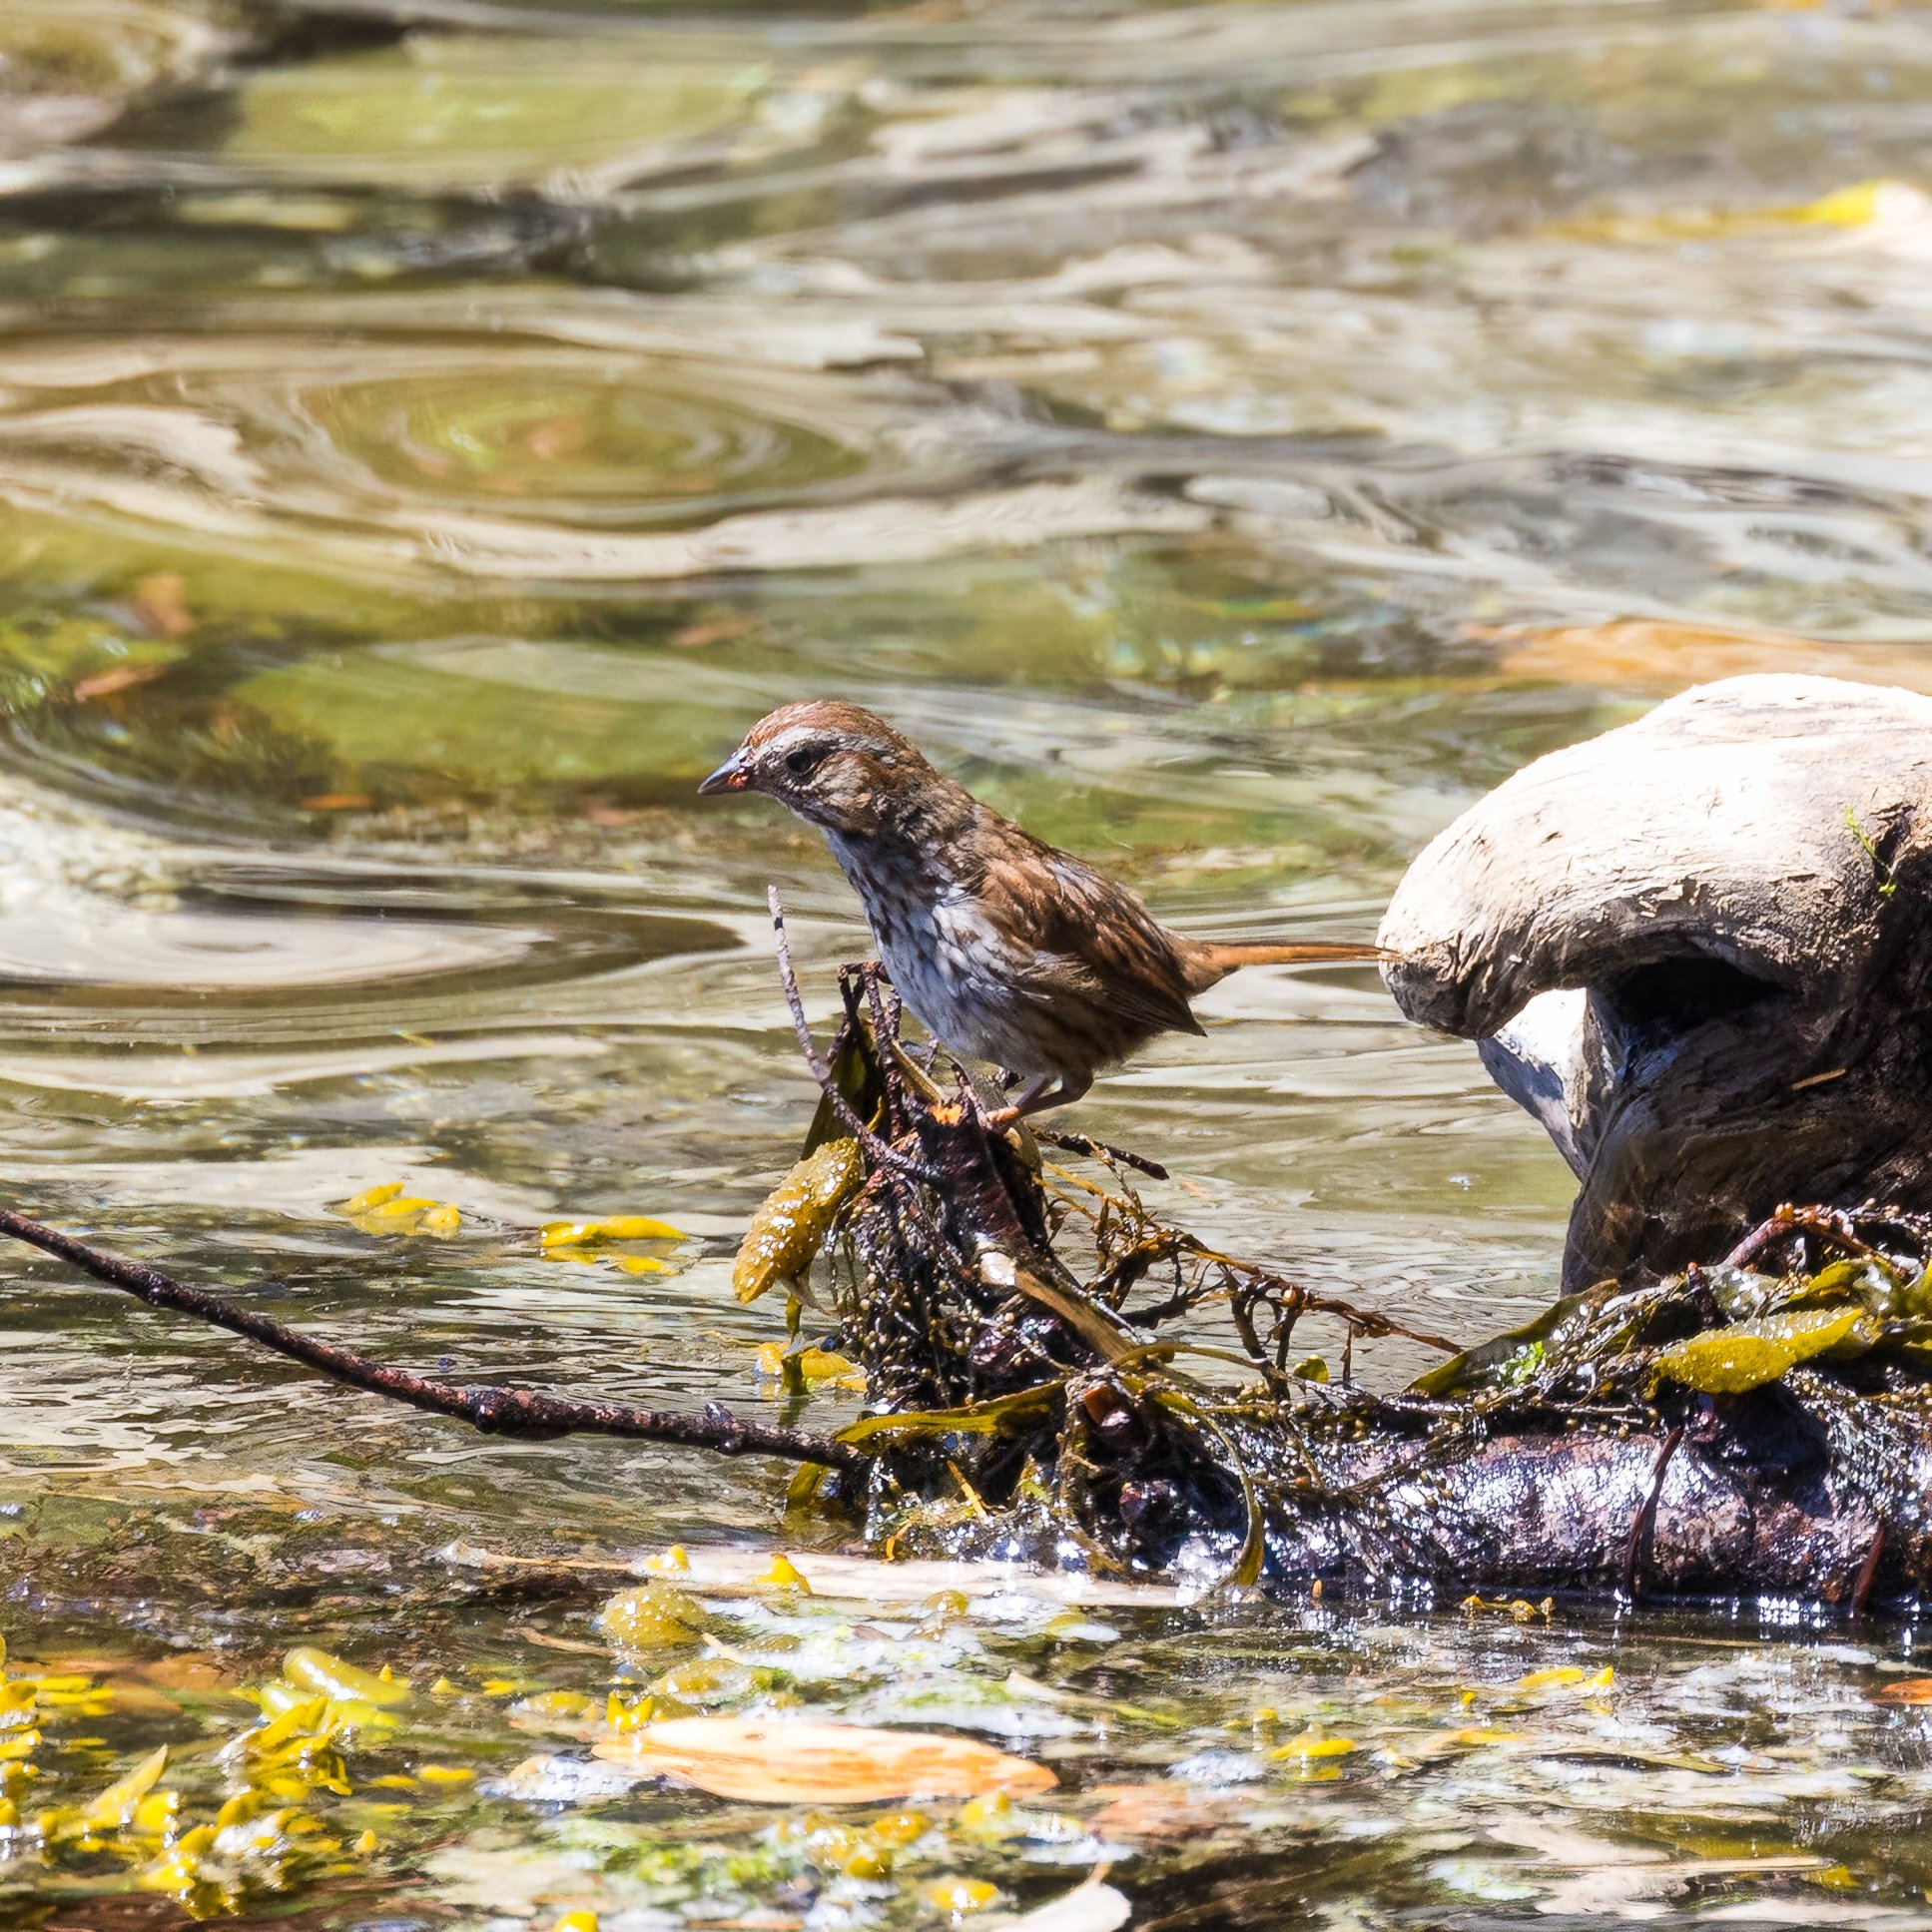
(322, 1674)
(956, 1896)
(1091, 1907)
(116, 1806)
(773, 1761)
(1904, 1690)
(650, 1618)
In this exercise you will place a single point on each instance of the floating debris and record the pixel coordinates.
(778, 1761)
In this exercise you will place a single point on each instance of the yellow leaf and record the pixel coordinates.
(445, 1774)
(1549, 1679)
(619, 1716)
(1312, 1747)
(400, 1209)
(770, 1761)
(114, 1806)
(959, 1896)
(576, 1922)
(615, 1227)
(316, 1671)
(1728, 1361)
(792, 1222)
(823, 1365)
(990, 1816)
(899, 1828)
(442, 1221)
(155, 1815)
(377, 1196)
(1861, 205)
(786, 1575)
(813, 1364)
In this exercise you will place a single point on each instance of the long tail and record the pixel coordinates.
(1211, 960)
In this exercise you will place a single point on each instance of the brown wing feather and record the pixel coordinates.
(1115, 949)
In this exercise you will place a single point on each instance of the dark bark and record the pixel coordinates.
(1752, 1507)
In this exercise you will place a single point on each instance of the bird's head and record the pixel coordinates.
(835, 765)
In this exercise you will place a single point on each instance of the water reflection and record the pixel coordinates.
(1228, 435)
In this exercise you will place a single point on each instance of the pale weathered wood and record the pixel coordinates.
(1696, 948)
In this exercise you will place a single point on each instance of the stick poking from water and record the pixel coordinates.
(495, 1409)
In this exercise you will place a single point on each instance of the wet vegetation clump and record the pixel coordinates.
(1055, 1371)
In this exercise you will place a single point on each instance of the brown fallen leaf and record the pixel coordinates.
(544, 1640)
(160, 605)
(1657, 656)
(1904, 1690)
(719, 630)
(124, 676)
(1166, 1810)
(773, 1761)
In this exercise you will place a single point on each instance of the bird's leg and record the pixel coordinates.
(999, 1118)
(1037, 1095)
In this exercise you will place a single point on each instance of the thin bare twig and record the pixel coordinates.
(1080, 1143)
(1828, 1224)
(884, 1034)
(1861, 1590)
(1646, 1516)
(885, 1155)
(495, 1409)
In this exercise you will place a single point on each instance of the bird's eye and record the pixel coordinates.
(806, 759)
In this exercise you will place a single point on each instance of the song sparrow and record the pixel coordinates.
(1003, 946)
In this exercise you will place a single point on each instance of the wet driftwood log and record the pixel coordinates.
(1696, 950)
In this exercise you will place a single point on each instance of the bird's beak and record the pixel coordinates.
(731, 776)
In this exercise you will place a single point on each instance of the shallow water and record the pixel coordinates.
(1232, 437)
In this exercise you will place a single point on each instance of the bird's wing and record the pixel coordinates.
(1124, 956)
